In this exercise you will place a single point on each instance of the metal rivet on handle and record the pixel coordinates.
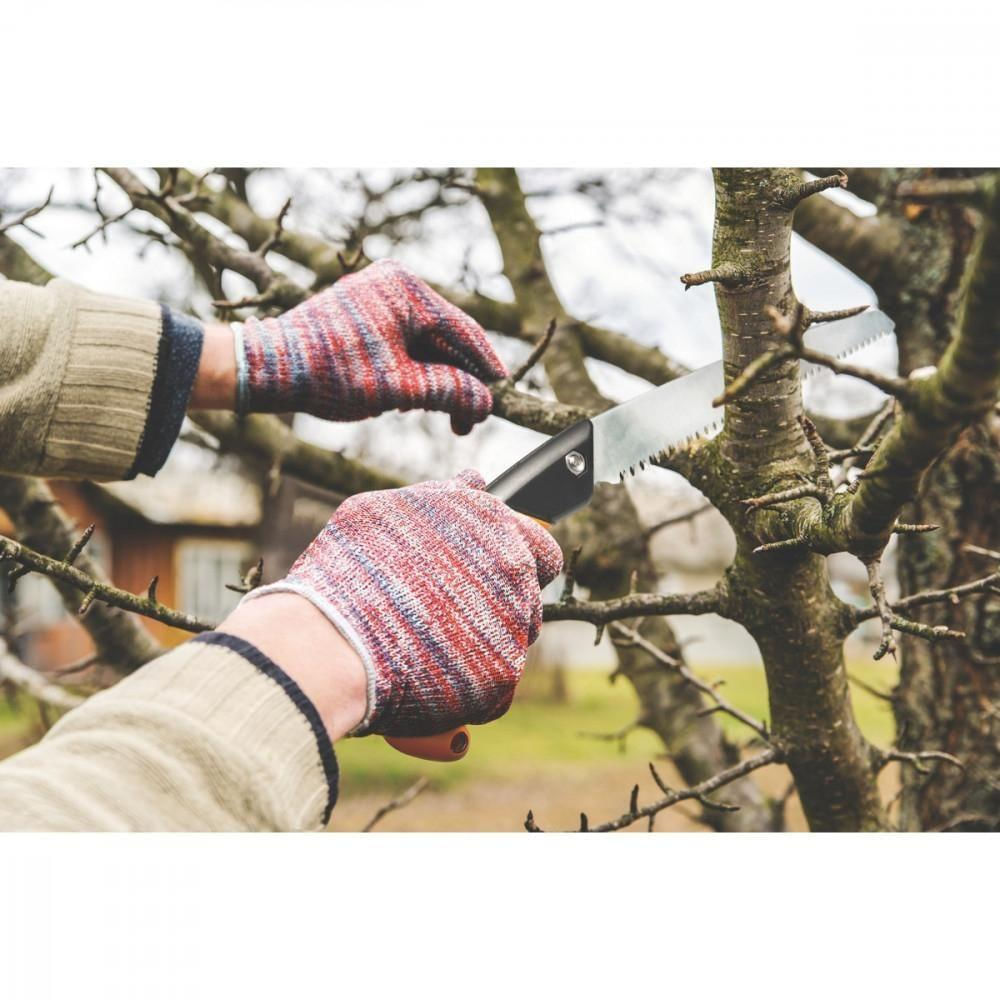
(576, 463)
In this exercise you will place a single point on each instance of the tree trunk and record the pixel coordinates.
(783, 598)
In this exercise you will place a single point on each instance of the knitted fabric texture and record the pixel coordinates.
(438, 587)
(377, 340)
(176, 370)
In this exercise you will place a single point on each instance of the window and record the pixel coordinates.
(203, 570)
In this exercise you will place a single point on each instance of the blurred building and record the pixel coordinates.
(194, 530)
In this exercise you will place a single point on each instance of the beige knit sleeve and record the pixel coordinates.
(76, 377)
(210, 736)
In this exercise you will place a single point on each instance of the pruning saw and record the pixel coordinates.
(558, 477)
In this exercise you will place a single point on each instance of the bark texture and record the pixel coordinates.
(948, 696)
(784, 598)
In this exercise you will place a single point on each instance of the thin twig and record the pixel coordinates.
(876, 585)
(916, 758)
(536, 353)
(770, 756)
(22, 218)
(676, 519)
(722, 705)
(401, 800)
(952, 595)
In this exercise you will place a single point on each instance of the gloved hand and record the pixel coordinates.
(438, 588)
(377, 340)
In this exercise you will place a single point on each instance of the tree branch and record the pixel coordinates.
(399, 802)
(950, 595)
(632, 636)
(43, 525)
(322, 258)
(201, 244)
(702, 602)
(94, 589)
(22, 218)
(266, 439)
(917, 758)
(672, 797)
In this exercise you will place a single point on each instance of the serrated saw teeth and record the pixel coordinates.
(681, 411)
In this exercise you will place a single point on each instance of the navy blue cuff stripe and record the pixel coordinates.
(269, 668)
(178, 358)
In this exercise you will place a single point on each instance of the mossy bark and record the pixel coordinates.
(783, 600)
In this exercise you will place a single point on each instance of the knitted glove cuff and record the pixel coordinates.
(343, 626)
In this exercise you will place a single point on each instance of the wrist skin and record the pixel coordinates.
(215, 384)
(298, 638)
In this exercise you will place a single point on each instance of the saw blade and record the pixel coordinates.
(671, 415)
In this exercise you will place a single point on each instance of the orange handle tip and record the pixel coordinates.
(444, 747)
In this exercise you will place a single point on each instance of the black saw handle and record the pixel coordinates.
(555, 479)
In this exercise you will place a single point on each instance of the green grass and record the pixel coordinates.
(537, 733)
(18, 720)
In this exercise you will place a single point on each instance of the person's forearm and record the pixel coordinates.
(302, 641)
(232, 730)
(215, 384)
(53, 422)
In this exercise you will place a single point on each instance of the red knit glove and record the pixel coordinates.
(438, 588)
(377, 340)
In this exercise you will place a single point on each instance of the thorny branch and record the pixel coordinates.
(94, 589)
(793, 327)
(633, 637)
(42, 524)
(769, 756)
(702, 602)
